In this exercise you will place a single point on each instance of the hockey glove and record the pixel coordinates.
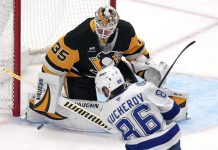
(149, 70)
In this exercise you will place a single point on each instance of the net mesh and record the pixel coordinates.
(6, 56)
(43, 22)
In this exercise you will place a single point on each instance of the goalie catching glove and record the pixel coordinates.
(149, 70)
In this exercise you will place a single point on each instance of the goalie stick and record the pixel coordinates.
(12, 74)
(161, 82)
(68, 105)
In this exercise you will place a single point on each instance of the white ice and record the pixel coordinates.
(167, 27)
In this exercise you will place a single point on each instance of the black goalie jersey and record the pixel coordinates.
(78, 56)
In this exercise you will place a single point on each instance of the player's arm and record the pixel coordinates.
(140, 60)
(170, 110)
(135, 46)
(60, 58)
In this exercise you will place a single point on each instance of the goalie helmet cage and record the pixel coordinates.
(32, 25)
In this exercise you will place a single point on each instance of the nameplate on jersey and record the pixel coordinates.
(125, 107)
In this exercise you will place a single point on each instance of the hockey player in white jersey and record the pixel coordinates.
(142, 113)
(46, 108)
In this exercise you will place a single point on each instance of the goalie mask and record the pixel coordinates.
(108, 79)
(106, 20)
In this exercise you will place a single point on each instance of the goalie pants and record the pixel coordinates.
(81, 88)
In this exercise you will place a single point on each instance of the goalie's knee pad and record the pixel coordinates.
(48, 92)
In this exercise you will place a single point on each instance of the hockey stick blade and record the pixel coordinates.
(174, 63)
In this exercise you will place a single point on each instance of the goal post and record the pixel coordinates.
(33, 25)
(17, 58)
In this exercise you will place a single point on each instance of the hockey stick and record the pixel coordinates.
(68, 105)
(174, 63)
(12, 74)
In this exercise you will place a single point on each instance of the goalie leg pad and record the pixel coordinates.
(48, 92)
(70, 120)
(34, 117)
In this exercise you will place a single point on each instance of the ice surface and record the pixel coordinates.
(167, 27)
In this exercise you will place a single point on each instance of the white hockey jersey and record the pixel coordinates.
(142, 114)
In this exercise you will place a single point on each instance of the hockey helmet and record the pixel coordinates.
(106, 20)
(108, 79)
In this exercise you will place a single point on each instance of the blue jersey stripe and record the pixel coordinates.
(169, 115)
(155, 141)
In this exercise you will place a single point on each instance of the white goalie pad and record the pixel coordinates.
(48, 92)
(65, 118)
(74, 121)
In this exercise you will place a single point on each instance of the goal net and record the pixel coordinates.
(31, 26)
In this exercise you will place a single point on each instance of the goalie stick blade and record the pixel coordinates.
(175, 62)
